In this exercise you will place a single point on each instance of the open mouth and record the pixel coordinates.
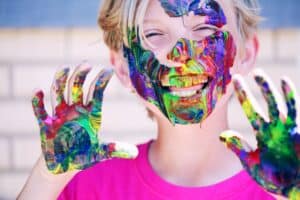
(186, 86)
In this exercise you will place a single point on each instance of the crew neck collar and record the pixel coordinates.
(171, 191)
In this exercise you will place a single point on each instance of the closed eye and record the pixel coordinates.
(205, 28)
(202, 31)
(153, 34)
(155, 38)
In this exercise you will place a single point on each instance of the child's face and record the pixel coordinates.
(181, 63)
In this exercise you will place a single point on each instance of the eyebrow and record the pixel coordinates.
(152, 20)
(155, 22)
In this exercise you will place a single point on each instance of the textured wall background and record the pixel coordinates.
(31, 49)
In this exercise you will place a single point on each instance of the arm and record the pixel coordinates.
(69, 138)
(42, 184)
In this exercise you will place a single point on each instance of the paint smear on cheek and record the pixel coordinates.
(213, 57)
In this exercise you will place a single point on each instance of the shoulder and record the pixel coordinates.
(112, 166)
(103, 175)
(247, 188)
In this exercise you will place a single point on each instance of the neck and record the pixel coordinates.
(193, 155)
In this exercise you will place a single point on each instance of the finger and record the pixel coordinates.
(100, 84)
(92, 89)
(76, 83)
(39, 107)
(289, 94)
(58, 87)
(248, 103)
(102, 80)
(236, 143)
(118, 150)
(269, 97)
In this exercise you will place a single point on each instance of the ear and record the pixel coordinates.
(249, 55)
(120, 67)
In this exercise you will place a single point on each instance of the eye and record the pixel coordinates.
(152, 34)
(155, 38)
(202, 28)
(203, 31)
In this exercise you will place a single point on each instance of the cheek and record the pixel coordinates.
(239, 51)
(225, 97)
(123, 75)
(154, 109)
(161, 55)
(239, 54)
(238, 62)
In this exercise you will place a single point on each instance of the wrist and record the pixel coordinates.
(42, 184)
(41, 169)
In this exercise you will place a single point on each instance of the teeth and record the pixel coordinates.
(184, 93)
(199, 79)
(184, 81)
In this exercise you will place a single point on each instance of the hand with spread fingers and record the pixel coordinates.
(69, 138)
(275, 164)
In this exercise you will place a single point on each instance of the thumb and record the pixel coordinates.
(235, 142)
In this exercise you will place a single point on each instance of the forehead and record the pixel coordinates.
(210, 9)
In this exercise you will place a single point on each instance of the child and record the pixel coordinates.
(179, 56)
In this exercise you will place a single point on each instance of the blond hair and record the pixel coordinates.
(116, 15)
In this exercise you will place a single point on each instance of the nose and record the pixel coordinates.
(182, 51)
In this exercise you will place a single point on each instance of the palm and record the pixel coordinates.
(69, 137)
(73, 143)
(276, 161)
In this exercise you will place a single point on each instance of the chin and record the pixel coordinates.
(184, 115)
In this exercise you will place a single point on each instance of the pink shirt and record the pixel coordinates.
(135, 179)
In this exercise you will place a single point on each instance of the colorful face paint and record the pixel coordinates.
(69, 138)
(205, 66)
(275, 164)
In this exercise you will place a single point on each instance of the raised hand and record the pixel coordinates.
(69, 138)
(275, 164)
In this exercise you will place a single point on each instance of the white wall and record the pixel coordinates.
(28, 60)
